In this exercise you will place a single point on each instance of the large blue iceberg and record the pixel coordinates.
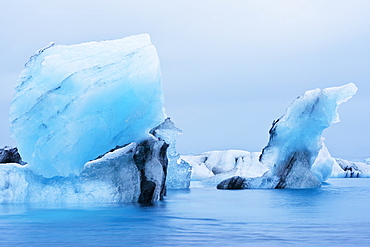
(89, 121)
(74, 103)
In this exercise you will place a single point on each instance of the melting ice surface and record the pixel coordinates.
(75, 103)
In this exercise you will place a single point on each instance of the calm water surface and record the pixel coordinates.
(336, 214)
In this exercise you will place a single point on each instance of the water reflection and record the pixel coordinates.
(330, 215)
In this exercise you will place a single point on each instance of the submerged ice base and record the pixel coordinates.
(134, 173)
(74, 103)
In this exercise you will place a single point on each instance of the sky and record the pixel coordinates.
(229, 67)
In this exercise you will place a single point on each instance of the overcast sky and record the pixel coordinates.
(229, 68)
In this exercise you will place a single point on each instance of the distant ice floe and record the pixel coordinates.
(351, 169)
(214, 166)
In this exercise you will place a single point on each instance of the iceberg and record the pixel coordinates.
(295, 142)
(73, 103)
(82, 116)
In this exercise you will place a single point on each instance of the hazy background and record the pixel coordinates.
(229, 68)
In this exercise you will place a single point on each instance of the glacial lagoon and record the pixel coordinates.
(337, 214)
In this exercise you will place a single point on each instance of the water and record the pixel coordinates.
(335, 215)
